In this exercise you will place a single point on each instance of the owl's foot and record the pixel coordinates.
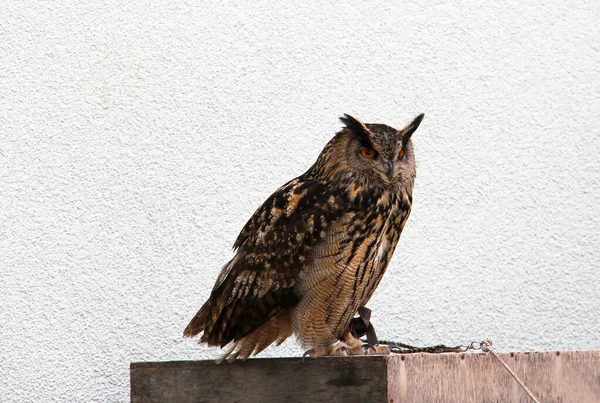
(369, 347)
(350, 343)
(346, 348)
(335, 350)
(357, 346)
(339, 350)
(379, 349)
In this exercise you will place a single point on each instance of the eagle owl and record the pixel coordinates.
(316, 249)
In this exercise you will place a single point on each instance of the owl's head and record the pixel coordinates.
(372, 153)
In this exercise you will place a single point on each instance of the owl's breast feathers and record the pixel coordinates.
(282, 240)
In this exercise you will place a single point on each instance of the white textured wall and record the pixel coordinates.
(136, 138)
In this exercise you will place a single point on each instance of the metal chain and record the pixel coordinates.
(485, 346)
(401, 348)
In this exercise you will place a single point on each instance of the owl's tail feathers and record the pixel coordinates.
(276, 330)
(213, 310)
(212, 320)
(197, 325)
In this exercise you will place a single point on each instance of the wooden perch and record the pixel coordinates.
(566, 376)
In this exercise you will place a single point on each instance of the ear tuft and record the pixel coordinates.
(411, 128)
(356, 126)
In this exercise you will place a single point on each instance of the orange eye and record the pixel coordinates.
(401, 154)
(368, 153)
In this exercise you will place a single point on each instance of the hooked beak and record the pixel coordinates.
(390, 170)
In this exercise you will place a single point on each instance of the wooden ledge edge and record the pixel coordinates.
(462, 356)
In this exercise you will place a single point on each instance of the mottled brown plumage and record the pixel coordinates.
(316, 249)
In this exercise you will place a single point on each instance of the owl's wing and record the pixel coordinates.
(272, 248)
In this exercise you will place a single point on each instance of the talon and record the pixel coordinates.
(307, 353)
(383, 349)
(368, 346)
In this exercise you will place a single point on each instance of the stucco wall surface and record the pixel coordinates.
(136, 138)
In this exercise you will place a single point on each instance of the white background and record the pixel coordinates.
(136, 138)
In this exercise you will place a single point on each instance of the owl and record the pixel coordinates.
(314, 252)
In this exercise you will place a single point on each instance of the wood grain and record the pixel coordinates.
(361, 379)
(568, 376)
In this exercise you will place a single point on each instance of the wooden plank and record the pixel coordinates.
(568, 376)
(571, 376)
(327, 379)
